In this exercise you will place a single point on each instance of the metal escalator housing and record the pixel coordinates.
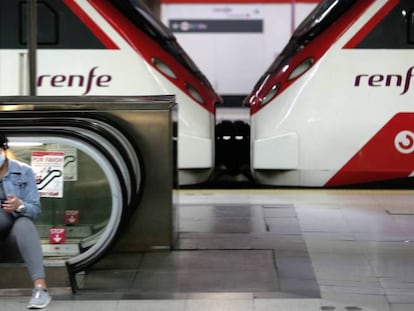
(128, 137)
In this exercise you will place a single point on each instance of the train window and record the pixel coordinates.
(323, 15)
(47, 24)
(75, 207)
(410, 21)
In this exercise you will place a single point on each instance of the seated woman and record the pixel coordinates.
(20, 205)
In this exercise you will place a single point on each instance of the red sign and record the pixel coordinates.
(57, 235)
(71, 217)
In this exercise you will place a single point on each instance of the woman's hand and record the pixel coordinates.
(11, 204)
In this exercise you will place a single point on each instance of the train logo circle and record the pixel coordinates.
(404, 142)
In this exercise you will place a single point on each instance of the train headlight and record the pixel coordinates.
(272, 92)
(194, 93)
(301, 68)
(164, 68)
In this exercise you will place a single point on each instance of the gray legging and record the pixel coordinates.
(22, 232)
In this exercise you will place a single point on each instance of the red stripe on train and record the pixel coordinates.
(389, 154)
(96, 30)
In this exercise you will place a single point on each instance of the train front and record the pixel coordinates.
(303, 126)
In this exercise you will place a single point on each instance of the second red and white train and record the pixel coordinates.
(336, 107)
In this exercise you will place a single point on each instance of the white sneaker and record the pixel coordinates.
(40, 299)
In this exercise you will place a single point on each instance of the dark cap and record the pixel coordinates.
(4, 142)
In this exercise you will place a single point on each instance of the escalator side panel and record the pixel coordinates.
(151, 226)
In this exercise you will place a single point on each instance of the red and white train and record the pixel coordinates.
(336, 107)
(111, 47)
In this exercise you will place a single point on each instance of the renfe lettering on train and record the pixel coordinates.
(87, 82)
(387, 80)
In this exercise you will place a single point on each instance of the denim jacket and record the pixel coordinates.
(20, 181)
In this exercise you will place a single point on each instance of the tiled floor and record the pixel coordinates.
(265, 250)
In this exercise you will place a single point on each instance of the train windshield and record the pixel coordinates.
(138, 13)
(322, 16)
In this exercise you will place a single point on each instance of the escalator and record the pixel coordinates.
(117, 170)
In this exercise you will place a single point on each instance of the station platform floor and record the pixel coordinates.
(263, 249)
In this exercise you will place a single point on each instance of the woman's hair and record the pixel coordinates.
(4, 142)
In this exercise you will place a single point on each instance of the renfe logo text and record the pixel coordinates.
(387, 80)
(86, 82)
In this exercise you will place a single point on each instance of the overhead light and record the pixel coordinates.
(24, 144)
